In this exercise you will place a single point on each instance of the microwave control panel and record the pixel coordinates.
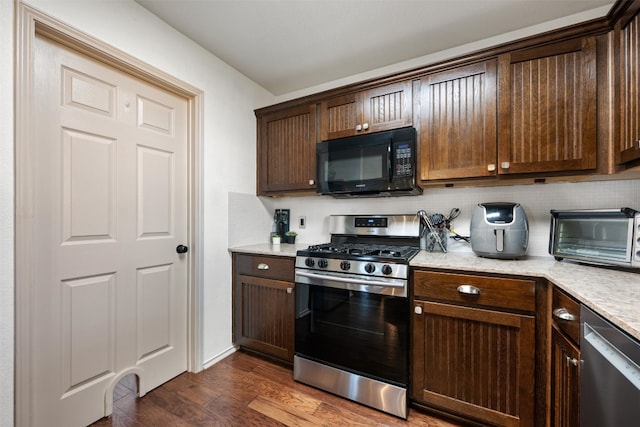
(403, 159)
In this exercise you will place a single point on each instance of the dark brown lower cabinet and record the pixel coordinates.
(263, 305)
(565, 361)
(471, 360)
(565, 380)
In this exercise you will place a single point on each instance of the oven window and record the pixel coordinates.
(360, 332)
(604, 238)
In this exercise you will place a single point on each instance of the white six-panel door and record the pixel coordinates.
(110, 208)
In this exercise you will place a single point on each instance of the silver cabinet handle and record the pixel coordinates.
(468, 290)
(289, 290)
(263, 266)
(563, 314)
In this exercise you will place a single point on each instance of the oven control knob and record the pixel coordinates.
(309, 262)
(369, 268)
(323, 263)
(345, 265)
(386, 269)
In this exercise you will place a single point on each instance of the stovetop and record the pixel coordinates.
(361, 251)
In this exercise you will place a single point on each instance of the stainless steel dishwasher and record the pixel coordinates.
(610, 374)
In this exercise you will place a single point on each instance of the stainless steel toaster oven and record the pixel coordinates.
(600, 236)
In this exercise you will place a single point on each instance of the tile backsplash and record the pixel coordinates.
(251, 218)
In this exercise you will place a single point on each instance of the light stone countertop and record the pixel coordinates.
(614, 294)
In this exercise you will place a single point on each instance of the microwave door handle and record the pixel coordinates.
(389, 161)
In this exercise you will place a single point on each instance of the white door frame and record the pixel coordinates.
(29, 23)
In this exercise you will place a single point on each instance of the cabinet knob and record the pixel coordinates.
(365, 126)
(263, 266)
(417, 309)
(563, 314)
(312, 182)
(571, 361)
(491, 167)
(504, 165)
(289, 290)
(358, 128)
(636, 145)
(468, 290)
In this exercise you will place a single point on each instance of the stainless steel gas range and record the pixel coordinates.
(352, 310)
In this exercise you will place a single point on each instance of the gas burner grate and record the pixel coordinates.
(364, 250)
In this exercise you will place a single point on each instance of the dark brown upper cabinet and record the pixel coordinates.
(458, 122)
(628, 147)
(547, 116)
(287, 151)
(372, 110)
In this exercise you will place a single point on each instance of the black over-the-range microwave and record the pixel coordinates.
(374, 164)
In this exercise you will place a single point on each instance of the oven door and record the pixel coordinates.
(360, 332)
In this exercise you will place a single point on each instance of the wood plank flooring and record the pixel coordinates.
(245, 390)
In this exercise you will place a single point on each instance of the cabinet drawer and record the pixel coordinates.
(515, 294)
(566, 314)
(279, 268)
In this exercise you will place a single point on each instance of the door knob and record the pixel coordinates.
(182, 249)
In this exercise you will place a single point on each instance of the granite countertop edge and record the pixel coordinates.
(614, 294)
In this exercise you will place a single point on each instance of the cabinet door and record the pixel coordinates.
(565, 381)
(374, 110)
(263, 315)
(629, 143)
(388, 107)
(458, 122)
(478, 363)
(547, 108)
(339, 116)
(287, 151)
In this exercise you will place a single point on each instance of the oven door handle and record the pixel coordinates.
(350, 280)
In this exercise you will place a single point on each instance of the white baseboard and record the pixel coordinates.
(218, 357)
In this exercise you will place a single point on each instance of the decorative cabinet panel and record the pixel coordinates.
(565, 374)
(474, 358)
(263, 305)
(287, 151)
(458, 123)
(547, 108)
(628, 148)
(376, 109)
(565, 361)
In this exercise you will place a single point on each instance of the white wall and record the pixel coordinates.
(453, 52)
(536, 199)
(229, 128)
(6, 213)
(229, 133)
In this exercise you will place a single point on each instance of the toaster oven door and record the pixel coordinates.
(595, 236)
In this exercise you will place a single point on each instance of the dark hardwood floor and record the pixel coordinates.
(245, 390)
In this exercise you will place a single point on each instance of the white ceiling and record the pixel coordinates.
(288, 45)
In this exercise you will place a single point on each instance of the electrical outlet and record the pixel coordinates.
(302, 222)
